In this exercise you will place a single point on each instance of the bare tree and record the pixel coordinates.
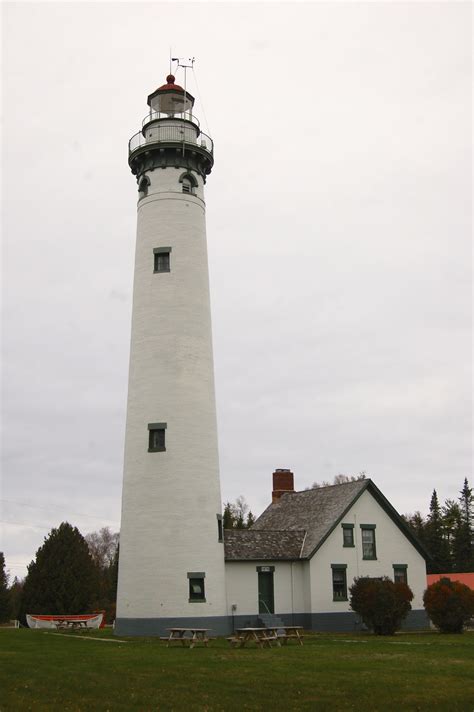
(103, 546)
(340, 480)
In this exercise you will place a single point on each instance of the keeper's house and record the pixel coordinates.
(302, 554)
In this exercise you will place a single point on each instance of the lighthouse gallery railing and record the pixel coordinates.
(170, 129)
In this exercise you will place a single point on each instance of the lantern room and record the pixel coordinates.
(170, 98)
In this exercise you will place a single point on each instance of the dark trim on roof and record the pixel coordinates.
(369, 486)
(339, 520)
(274, 558)
(397, 519)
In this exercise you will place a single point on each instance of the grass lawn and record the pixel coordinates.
(41, 670)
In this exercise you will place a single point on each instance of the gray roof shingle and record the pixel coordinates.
(248, 544)
(316, 511)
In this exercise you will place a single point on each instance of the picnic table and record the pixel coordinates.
(61, 624)
(266, 636)
(261, 636)
(284, 633)
(187, 636)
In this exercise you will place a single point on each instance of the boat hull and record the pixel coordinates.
(88, 620)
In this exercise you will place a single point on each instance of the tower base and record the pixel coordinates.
(218, 625)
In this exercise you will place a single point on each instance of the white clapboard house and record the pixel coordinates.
(301, 556)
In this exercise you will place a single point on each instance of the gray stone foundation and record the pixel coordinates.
(344, 622)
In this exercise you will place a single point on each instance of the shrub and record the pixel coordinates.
(449, 604)
(381, 603)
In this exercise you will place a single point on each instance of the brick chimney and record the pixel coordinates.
(282, 482)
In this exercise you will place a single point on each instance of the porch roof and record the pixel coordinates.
(261, 545)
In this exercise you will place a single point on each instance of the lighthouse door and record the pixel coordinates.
(266, 603)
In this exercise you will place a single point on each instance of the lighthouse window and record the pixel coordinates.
(143, 187)
(196, 586)
(161, 259)
(188, 182)
(156, 437)
(220, 532)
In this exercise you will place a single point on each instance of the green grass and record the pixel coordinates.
(40, 670)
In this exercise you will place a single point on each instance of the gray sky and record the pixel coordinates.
(338, 220)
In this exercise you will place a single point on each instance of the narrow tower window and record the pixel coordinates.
(196, 586)
(188, 183)
(161, 259)
(156, 437)
(143, 187)
(220, 531)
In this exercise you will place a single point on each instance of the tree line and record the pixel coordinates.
(447, 533)
(71, 574)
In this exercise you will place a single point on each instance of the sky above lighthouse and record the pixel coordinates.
(338, 225)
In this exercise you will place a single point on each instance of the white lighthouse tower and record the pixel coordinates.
(171, 568)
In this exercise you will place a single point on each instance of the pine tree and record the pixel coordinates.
(451, 514)
(417, 524)
(16, 592)
(250, 519)
(63, 578)
(467, 504)
(463, 532)
(436, 542)
(4, 593)
(228, 518)
(237, 515)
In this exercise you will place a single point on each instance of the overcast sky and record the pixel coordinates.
(338, 223)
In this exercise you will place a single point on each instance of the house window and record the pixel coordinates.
(400, 573)
(196, 586)
(156, 437)
(220, 533)
(368, 541)
(348, 535)
(339, 582)
(161, 259)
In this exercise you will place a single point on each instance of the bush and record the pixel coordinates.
(449, 604)
(381, 603)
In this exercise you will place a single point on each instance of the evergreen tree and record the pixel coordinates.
(237, 515)
(250, 519)
(228, 518)
(467, 503)
(451, 515)
(63, 578)
(435, 540)
(417, 524)
(4, 592)
(462, 535)
(16, 592)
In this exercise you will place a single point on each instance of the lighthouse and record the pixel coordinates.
(171, 565)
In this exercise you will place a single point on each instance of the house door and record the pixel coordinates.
(266, 602)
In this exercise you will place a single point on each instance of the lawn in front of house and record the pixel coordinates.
(43, 670)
